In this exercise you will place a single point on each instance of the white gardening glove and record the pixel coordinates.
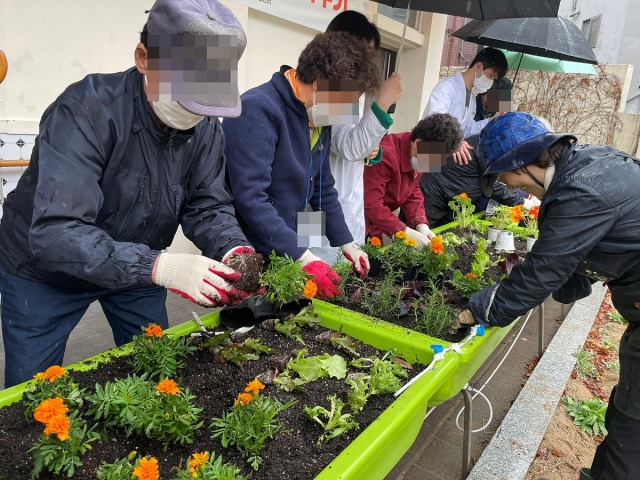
(200, 279)
(424, 229)
(530, 201)
(420, 238)
(356, 255)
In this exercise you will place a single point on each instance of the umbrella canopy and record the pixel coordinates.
(482, 9)
(518, 60)
(546, 37)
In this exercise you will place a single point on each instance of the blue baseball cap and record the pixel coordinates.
(511, 141)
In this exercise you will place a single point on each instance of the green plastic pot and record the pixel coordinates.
(381, 445)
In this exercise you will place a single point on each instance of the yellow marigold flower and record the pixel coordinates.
(375, 241)
(154, 330)
(39, 377)
(437, 245)
(411, 242)
(53, 373)
(50, 408)
(147, 469)
(168, 386)
(310, 289)
(463, 196)
(401, 235)
(58, 426)
(471, 276)
(197, 461)
(243, 399)
(254, 386)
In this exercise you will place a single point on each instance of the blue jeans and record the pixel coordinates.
(38, 318)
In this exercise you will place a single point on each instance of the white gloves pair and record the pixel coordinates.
(200, 279)
(530, 202)
(422, 234)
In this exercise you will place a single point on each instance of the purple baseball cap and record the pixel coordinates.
(201, 17)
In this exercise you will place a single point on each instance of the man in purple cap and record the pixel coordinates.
(589, 231)
(120, 161)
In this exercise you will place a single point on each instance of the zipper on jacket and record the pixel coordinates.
(177, 202)
(141, 185)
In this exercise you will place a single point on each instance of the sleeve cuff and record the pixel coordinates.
(383, 117)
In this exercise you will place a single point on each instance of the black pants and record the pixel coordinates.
(618, 456)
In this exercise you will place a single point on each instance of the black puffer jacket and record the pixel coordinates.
(589, 225)
(439, 188)
(106, 189)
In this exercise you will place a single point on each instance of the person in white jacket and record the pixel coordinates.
(453, 95)
(357, 145)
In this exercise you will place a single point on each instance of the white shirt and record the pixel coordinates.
(449, 96)
(350, 145)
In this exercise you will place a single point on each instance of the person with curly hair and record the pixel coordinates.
(395, 182)
(278, 153)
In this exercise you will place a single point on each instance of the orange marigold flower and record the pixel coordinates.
(49, 408)
(401, 235)
(243, 399)
(437, 245)
(517, 213)
(254, 386)
(534, 212)
(147, 469)
(310, 289)
(154, 330)
(53, 373)
(375, 241)
(197, 461)
(463, 196)
(59, 426)
(471, 276)
(168, 386)
(411, 242)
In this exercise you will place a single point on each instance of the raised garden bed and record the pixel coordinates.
(368, 453)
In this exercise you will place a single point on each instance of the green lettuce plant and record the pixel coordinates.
(333, 422)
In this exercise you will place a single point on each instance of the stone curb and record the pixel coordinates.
(515, 444)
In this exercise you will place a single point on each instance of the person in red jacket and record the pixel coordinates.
(395, 182)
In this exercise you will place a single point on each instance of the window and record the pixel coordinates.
(399, 15)
(591, 29)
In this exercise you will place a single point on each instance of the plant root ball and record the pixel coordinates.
(250, 265)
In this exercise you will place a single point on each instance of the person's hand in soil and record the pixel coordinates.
(420, 238)
(356, 255)
(322, 274)
(245, 260)
(200, 279)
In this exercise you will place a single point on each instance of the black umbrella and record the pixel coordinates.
(546, 37)
(481, 9)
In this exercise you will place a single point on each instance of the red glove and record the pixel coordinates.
(323, 276)
(242, 249)
(357, 257)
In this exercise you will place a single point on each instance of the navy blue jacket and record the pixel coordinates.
(589, 224)
(106, 189)
(271, 168)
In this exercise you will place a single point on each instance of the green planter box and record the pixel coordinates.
(381, 445)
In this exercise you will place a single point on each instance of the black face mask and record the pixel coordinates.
(538, 182)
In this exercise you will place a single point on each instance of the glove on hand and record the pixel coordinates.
(323, 276)
(421, 238)
(530, 201)
(355, 255)
(240, 250)
(424, 229)
(465, 319)
(200, 279)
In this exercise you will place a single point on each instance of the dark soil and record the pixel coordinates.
(250, 265)
(293, 455)
(419, 287)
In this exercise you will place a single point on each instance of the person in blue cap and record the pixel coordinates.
(589, 224)
(120, 161)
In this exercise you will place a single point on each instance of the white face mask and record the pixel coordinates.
(174, 116)
(319, 114)
(414, 163)
(482, 83)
